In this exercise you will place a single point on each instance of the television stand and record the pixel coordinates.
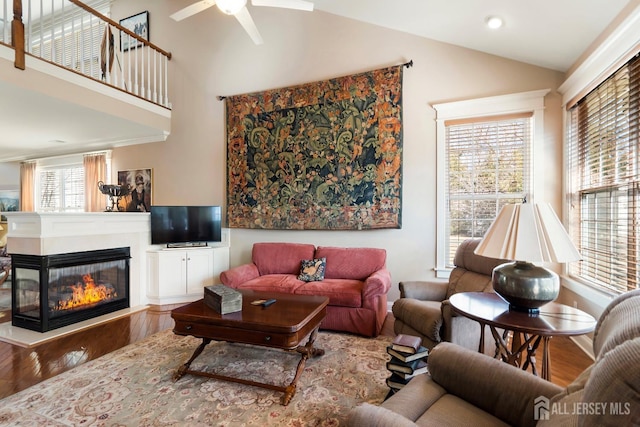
(179, 275)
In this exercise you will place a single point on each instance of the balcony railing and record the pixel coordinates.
(72, 35)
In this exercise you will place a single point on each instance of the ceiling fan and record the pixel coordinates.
(238, 8)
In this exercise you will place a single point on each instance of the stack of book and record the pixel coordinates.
(408, 359)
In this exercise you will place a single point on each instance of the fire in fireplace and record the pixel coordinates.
(83, 294)
(52, 291)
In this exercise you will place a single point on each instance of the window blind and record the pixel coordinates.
(604, 179)
(76, 35)
(62, 189)
(488, 166)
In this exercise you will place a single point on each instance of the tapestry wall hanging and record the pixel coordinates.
(319, 156)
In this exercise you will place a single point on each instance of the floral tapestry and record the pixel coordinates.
(319, 156)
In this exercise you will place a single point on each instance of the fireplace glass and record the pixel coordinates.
(57, 290)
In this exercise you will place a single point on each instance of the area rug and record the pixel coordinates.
(133, 386)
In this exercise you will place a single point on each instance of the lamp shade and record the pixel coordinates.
(528, 232)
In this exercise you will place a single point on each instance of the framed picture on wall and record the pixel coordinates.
(139, 25)
(9, 201)
(140, 182)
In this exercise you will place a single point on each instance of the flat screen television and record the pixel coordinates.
(185, 225)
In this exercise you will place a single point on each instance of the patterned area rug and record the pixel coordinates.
(133, 386)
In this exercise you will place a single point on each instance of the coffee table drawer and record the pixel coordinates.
(221, 333)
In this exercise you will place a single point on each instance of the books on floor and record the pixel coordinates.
(407, 370)
(406, 343)
(408, 357)
(404, 365)
(396, 382)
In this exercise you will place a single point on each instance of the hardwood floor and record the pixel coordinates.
(21, 367)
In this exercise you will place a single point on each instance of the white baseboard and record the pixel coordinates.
(585, 344)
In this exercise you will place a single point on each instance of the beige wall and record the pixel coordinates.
(213, 56)
(9, 175)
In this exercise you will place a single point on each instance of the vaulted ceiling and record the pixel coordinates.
(547, 33)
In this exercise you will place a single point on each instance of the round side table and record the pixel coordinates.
(529, 330)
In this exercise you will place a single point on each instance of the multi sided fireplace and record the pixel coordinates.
(52, 291)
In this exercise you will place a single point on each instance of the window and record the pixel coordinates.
(62, 189)
(485, 150)
(603, 161)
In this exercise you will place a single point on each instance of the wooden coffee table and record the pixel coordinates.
(281, 325)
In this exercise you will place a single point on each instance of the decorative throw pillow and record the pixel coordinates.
(312, 270)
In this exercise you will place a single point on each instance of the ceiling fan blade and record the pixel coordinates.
(196, 7)
(287, 4)
(244, 18)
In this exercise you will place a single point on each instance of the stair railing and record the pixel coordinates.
(72, 35)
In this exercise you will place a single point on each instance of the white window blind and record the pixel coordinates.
(604, 179)
(79, 49)
(62, 189)
(488, 165)
(66, 34)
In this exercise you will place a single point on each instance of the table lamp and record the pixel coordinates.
(527, 233)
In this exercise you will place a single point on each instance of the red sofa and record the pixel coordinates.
(356, 281)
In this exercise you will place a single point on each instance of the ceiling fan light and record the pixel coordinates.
(231, 7)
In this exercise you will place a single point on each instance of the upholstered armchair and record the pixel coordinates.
(423, 308)
(464, 387)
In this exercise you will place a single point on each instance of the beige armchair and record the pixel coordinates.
(423, 308)
(464, 387)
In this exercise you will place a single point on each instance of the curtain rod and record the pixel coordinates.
(406, 64)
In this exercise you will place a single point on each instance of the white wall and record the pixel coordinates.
(9, 176)
(213, 56)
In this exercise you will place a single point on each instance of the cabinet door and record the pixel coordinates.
(172, 273)
(199, 270)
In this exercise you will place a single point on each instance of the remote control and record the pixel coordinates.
(268, 302)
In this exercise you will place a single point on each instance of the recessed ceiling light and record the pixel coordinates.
(494, 22)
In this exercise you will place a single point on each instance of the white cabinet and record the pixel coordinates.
(180, 274)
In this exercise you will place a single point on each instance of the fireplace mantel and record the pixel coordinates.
(43, 233)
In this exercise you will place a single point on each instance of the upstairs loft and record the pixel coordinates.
(73, 80)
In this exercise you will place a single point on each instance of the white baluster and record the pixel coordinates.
(93, 53)
(41, 32)
(142, 86)
(53, 47)
(129, 55)
(136, 89)
(62, 37)
(29, 46)
(166, 82)
(155, 76)
(82, 44)
(149, 73)
(5, 23)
